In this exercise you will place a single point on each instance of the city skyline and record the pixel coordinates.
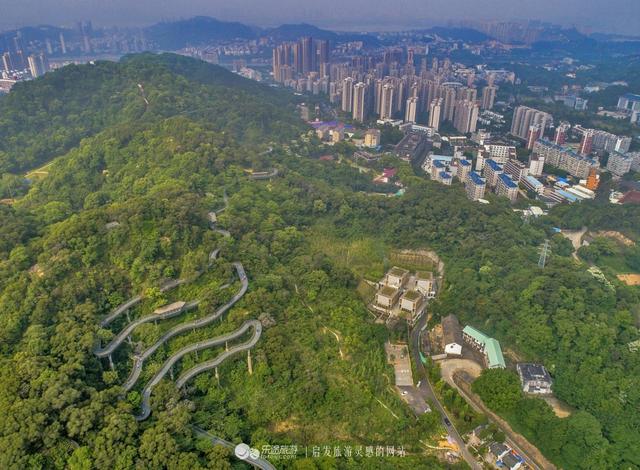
(618, 16)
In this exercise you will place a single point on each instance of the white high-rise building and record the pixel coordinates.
(411, 110)
(435, 109)
(525, 117)
(359, 97)
(386, 102)
(347, 95)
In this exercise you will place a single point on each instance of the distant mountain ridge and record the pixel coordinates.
(201, 30)
(196, 31)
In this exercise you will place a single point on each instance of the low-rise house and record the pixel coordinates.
(498, 450)
(411, 301)
(396, 277)
(452, 336)
(534, 378)
(512, 461)
(424, 283)
(387, 296)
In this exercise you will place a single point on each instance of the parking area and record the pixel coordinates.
(398, 357)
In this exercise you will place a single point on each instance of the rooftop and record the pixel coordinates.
(412, 295)
(511, 460)
(476, 178)
(533, 181)
(493, 165)
(508, 182)
(387, 291)
(632, 197)
(529, 371)
(498, 449)
(451, 331)
(420, 275)
(169, 307)
(399, 272)
(494, 353)
(491, 346)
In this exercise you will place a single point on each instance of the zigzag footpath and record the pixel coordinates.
(120, 337)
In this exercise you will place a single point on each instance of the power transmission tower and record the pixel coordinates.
(544, 253)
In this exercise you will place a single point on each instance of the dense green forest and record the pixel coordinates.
(64, 265)
(44, 119)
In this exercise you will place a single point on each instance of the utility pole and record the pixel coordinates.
(544, 253)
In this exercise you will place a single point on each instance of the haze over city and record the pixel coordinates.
(617, 16)
(290, 235)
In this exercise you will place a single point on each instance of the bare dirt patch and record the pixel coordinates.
(561, 409)
(450, 366)
(630, 279)
(617, 236)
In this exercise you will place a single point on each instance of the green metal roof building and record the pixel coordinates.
(490, 346)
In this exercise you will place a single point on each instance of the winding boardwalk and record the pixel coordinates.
(133, 301)
(120, 337)
(256, 462)
(209, 343)
(138, 360)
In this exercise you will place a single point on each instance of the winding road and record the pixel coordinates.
(426, 390)
(256, 462)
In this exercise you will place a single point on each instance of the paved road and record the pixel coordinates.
(139, 359)
(209, 343)
(414, 399)
(258, 463)
(120, 337)
(428, 394)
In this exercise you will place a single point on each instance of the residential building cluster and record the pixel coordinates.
(564, 158)
(387, 86)
(400, 292)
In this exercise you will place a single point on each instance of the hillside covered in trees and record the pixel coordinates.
(45, 118)
(124, 208)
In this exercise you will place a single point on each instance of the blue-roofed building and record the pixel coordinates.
(566, 196)
(445, 178)
(491, 171)
(507, 187)
(464, 167)
(475, 186)
(437, 166)
(533, 184)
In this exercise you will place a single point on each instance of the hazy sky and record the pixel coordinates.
(599, 15)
